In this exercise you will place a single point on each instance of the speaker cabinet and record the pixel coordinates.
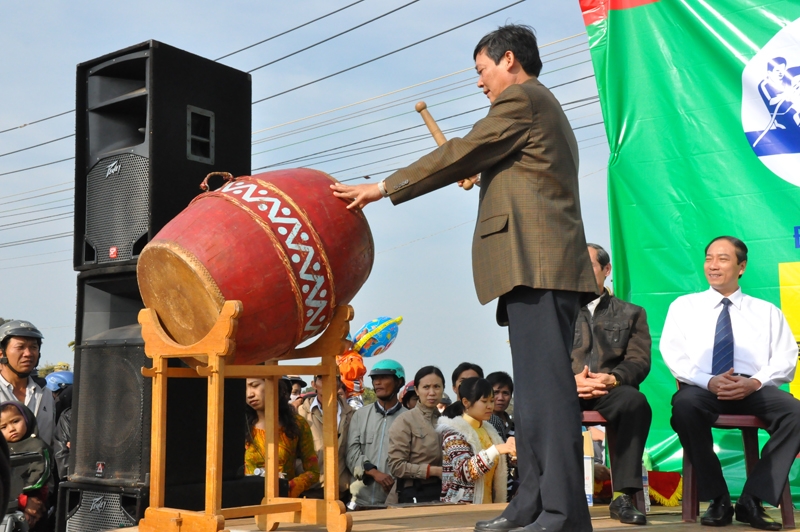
(91, 508)
(111, 418)
(151, 122)
(111, 421)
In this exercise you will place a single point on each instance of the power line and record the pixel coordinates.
(287, 91)
(588, 125)
(42, 188)
(36, 221)
(39, 205)
(31, 206)
(332, 37)
(384, 119)
(416, 85)
(288, 31)
(295, 159)
(356, 103)
(37, 121)
(37, 145)
(35, 239)
(37, 166)
(390, 117)
(36, 255)
(382, 107)
(35, 264)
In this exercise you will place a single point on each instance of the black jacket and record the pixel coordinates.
(615, 340)
(60, 440)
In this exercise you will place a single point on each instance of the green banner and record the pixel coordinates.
(701, 101)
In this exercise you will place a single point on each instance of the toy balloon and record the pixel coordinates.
(376, 336)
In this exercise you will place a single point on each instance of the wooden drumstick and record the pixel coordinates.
(438, 136)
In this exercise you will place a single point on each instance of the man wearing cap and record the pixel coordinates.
(20, 342)
(368, 437)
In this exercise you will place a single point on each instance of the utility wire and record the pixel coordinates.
(36, 221)
(38, 189)
(370, 110)
(31, 206)
(287, 31)
(413, 86)
(37, 166)
(36, 255)
(384, 106)
(37, 145)
(35, 239)
(394, 116)
(342, 107)
(39, 204)
(402, 130)
(287, 91)
(332, 37)
(37, 121)
(35, 264)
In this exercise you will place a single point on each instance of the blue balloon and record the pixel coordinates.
(376, 336)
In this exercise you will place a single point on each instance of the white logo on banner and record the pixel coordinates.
(771, 103)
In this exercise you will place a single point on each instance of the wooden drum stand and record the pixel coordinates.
(208, 359)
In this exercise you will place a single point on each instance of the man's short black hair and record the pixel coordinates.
(466, 366)
(515, 38)
(602, 255)
(739, 246)
(502, 379)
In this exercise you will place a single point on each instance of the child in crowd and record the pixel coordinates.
(18, 426)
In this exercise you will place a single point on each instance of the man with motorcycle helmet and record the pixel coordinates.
(20, 343)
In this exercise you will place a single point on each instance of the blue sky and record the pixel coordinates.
(422, 265)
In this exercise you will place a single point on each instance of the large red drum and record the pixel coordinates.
(279, 241)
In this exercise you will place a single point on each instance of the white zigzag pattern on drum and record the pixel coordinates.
(311, 301)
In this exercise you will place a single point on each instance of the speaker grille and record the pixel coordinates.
(114, 402)
(99, 511)
(117, 206)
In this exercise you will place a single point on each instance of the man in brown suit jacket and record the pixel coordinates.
(529, 250)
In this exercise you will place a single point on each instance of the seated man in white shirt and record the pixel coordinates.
(20, 342)
(730, 352)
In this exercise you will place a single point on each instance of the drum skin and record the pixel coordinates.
(279, 241)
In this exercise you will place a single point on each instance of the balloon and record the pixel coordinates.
(376, 336)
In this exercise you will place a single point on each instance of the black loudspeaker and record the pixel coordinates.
(87, 508)
(111, 418)
(151, 122)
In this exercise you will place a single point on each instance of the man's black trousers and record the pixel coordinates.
(695, 409)
(629, 415)
(547, 415)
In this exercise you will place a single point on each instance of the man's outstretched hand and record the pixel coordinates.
(358, 195)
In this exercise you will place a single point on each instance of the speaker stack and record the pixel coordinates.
(151, 122)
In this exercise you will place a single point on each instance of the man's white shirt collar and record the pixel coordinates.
(715, 298)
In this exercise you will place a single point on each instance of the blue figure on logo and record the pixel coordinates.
(780, 91)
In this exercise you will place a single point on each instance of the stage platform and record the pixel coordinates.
(462, 518)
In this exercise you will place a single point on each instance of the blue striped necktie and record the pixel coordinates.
(722, 359)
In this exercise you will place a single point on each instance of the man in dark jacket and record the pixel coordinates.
(610, 359)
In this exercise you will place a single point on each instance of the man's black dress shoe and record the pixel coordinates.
(498, 524)
(719, 513)
(750, 511)
(622, 508)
